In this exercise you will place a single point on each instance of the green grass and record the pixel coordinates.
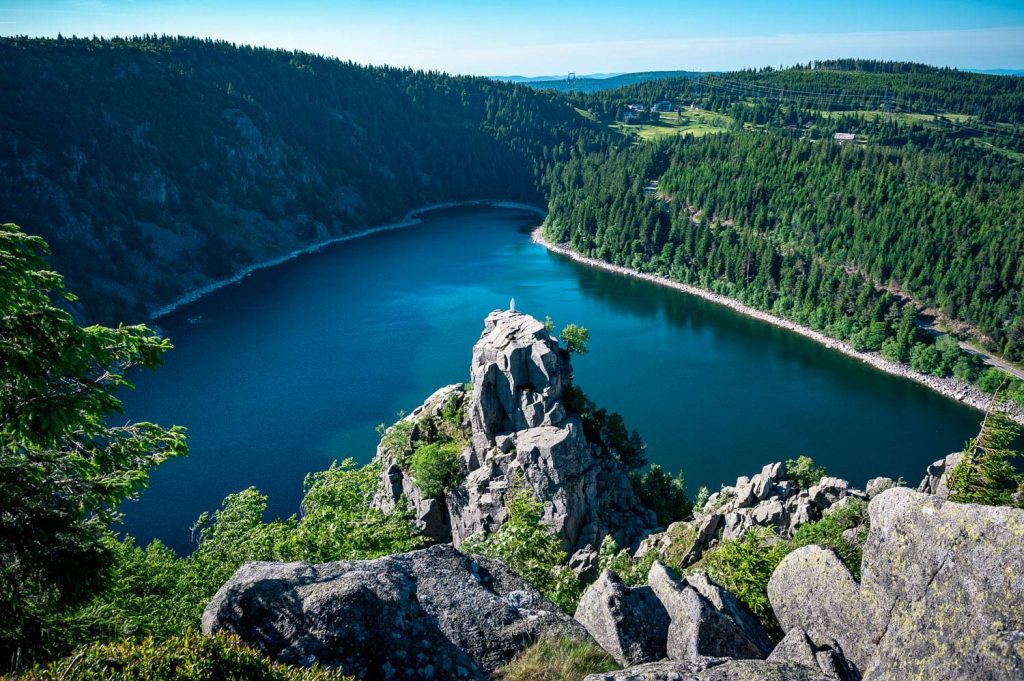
(562, 659)
(685, 122)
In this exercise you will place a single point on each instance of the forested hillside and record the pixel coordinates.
(853, 239)
(155, 165)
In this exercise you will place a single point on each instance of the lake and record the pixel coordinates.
(293, 367)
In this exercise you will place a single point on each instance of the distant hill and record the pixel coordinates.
(155, 166)
(596, 82)
(998, 72)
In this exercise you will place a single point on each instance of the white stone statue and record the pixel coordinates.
(512, 305)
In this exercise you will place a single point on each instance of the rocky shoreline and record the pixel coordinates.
(410, 219)
(949, 387)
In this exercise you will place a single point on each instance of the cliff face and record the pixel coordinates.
(521, 432)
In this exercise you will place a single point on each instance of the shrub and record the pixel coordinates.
(189, 657)
(803, 472)
(436, 468)
(397, 439)
(531, 549)
(743, 567)
(562, 659)
(986, 474)
(663, 493)
(576, 338)
(632, 572)
(990, 379)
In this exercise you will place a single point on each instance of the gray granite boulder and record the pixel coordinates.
(428, 614)
(629, 623)
(706, 621)
(941, 593)
(934, 481)
(716, 670)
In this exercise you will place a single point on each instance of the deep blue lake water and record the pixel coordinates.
(293, 367)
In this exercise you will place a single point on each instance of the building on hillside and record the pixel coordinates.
(635, 107)
(844, 137)
(662, 106)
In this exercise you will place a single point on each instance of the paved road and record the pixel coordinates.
(988, 358)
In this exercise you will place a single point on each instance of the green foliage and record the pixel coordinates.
(803, 472)
(188, 657)
(63, 467)
(436, 468)
(153, 592)
(621, 562)
(743, 567)
(300, 143)
(813, 231)
(562, 659)
(397, 440)
(986, 474)
(576, 338)
(990, 379)
(531, 549)
(702, 498)
(663, 493)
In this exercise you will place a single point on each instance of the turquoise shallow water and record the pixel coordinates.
(293, 367)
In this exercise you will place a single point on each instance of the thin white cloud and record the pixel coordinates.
(970, 48)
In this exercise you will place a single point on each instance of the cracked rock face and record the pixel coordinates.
(427, 614)
(521, 433)
(940, 595)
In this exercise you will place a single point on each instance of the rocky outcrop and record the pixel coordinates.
(706, 621)
(935, 477)
(630, 623)
(520, 431)
(692, 621)
(940, 593)
(768, 499)
(428, 614)
(714, 670)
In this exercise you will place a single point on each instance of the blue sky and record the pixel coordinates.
(534, 38)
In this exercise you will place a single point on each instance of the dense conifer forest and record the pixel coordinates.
(153, 165)
(864, 238)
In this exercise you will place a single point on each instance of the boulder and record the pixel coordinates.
(876, 486)
(428, 614)
(714, 670)
(941, 592)
(629, 623)
(935, 477)
(705, 627)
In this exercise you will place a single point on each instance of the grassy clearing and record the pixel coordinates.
(685, 122)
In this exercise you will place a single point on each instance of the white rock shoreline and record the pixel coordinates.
(949, 387)
(411, 218)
